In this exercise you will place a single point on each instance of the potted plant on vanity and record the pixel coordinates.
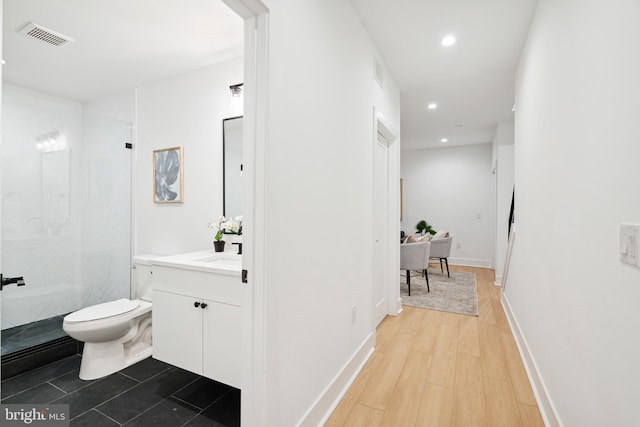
(225, 226)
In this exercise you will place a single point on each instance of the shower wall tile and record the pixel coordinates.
(39, 242)
(106, 210)
(67, 234)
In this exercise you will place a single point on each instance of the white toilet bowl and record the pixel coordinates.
(116, 334)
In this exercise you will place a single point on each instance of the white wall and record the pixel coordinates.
(119, 106)
(503, 136)
(576, 173)
(187, 111)
(319, 198)
(503, 178)
(449, 187)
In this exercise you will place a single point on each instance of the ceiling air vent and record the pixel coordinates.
(38, 32)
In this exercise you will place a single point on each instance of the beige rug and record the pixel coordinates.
(457, 294)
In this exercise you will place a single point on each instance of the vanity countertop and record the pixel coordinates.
(208, 261)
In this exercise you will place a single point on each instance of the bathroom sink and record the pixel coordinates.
(228, 263)
(230, 260)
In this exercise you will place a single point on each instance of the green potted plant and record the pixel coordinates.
(225, 226)
(423, 227)
(218, 243)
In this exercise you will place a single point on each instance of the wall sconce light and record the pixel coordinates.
(48, 141)
(236, 90)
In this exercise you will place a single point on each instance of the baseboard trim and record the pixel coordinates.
(545, 403)
(498, 281)
(323, 407)
(399, 306)
(470, 262)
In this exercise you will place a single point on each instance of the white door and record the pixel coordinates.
(381, 227)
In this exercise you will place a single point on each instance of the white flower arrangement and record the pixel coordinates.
(229, 226)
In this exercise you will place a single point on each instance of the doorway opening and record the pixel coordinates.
(386, 220)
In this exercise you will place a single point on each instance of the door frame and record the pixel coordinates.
(256, 18)
(253, 403)
(1, 147)
(383, 127)
(380, 183)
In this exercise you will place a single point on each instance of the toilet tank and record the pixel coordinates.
(142, 276)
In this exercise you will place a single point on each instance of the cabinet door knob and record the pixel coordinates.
(204, 305)
(196, 304)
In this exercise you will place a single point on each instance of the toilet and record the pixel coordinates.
(116, 334)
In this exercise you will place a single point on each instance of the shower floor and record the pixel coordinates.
(32, 334)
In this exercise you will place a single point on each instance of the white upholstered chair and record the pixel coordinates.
(415, 256)
(441, 249)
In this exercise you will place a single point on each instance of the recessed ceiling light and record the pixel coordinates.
(432, 106)
(444, 140)
(448, 40)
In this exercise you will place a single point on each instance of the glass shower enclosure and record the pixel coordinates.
(66, 214)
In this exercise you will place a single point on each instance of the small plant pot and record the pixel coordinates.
(218, 245)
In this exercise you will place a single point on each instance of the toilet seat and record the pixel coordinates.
(103, 311)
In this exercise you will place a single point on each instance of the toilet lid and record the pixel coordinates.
(101, 311)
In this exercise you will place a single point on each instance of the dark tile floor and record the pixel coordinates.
(148, 393)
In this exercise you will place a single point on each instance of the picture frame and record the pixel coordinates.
(168, 175)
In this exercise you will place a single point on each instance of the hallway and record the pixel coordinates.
(432, 368)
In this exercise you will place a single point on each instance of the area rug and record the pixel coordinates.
(457, 294)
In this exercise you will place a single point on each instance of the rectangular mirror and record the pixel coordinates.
(232, 166)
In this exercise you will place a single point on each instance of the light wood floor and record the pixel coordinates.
(432, 368)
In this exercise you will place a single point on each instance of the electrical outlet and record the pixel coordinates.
(354, 310)
(458, 245)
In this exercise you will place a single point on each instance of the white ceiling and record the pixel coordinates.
(472, 81)
(119, 44)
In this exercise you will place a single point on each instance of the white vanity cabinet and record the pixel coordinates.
(197, 322)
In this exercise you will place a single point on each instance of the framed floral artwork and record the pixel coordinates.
(168, 179)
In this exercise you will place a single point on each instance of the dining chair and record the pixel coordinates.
(415, 256)
(441, 250)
